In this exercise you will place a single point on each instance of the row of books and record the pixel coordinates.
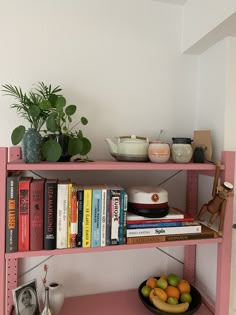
(176, 225)
(53, 214)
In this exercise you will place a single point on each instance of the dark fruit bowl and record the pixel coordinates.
(193, 307)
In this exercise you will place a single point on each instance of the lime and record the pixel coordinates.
(145, 291)
(162, 283)
(185, 297)
(173, 279)
(172, 300)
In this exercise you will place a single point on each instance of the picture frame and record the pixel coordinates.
(25, 298)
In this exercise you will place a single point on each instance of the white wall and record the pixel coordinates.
(207, 21)
(121, 62)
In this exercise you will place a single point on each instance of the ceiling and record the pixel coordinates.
(179, 2)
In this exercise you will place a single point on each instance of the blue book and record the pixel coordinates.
(121, 222)
(157, 225)
(96, 217)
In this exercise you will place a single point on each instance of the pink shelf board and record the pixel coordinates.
(115, 303)
(110, 248)
(109, 166)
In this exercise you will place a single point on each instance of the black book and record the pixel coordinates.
(80, 199)
(50, 214)
(11, 241)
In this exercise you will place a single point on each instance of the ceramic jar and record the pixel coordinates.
(56, 297)
(31, 146)
(158, 152)
(181, 152)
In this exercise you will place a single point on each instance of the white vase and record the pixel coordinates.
(56, 297)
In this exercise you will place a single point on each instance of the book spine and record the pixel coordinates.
(11, 240)
(163, 231)
(87, 218)
(121, 221)
(108, 219)
(96, 217)
(74, 217)
(125, 218)
(23, 209)
(62, 215)
(152, 221)
(155, 225)
(115, 216)
(50, 215)
(36, 214)
(166, 238)
(69, 214)
(80, 196)
(104, 217)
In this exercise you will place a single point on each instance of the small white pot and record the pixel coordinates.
(159, 152)
(56, 297)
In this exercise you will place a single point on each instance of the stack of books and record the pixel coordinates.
(176, 225)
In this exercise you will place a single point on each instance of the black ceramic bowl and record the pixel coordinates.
(182, 140)
(193, 307)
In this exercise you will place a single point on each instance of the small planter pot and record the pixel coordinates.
(31, 146)
(56, 296)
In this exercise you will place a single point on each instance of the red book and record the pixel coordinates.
(23, 210)
(36, 214)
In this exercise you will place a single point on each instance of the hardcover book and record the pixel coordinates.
(23, 212)
(74, 217)
(87, 216)
(50, 214)
(11, 240)
(174, 214)
(193, 228)
(36, 214)
(62, 213)
(80, 197)
(206, 232)
(69, 214)
(96, 217)
(115, 206)
(105, 235)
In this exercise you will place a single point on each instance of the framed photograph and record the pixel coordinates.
(25, 299)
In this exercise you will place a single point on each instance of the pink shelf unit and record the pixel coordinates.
(111, 302)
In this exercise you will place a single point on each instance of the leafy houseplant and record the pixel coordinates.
(60, 131)
(34, 107)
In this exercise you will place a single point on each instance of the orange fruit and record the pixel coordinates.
(158, 292)
(184, 286)
(172, 291)
(151, 282)
(164, 277)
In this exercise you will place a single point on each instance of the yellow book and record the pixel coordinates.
(69, 215)
(87, 216)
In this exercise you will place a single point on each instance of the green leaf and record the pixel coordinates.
(84, 121)
(45, 105)
(70, 110)
(53, 99)
(75, 146)
(86, 146)
(51, 124)
(17, 135)
(61, 102)
(51, 150)
(34, 111)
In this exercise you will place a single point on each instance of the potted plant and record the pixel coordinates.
(34, 107)
(62, 139)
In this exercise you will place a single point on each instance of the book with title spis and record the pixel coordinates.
(11, 239)
(23, 213)
(36, 213)
(50, 214)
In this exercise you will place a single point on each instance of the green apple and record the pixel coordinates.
(162, 283)
(185, 297)
(172, 300)
(173, 279)
(146, 291)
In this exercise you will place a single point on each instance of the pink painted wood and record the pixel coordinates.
(130, 305)
(3, 174)
(115, 303)
(225, 248)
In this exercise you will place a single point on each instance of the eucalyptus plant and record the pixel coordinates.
(33, 106)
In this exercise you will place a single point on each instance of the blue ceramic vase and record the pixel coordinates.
(31, 146)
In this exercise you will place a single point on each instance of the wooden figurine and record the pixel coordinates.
(217, 205)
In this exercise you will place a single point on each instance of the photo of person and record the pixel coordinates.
(26, 300)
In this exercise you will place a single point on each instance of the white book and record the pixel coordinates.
(62, 214)
(164, 230)
(103, 217)
(173, 213)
